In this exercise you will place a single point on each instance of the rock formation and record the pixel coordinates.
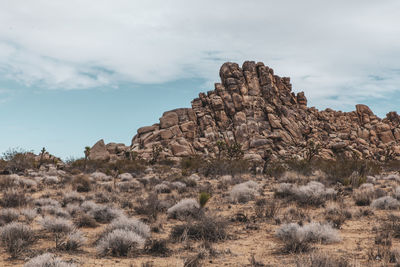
(258, 109)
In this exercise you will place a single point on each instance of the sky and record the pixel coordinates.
(73, 72)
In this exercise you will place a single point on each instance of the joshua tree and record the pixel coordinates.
(42, 152)
(87, 152)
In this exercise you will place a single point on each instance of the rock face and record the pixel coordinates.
(258, 109)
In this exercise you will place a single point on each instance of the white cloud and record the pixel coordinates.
(339, 52)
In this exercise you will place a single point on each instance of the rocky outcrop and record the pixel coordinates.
(258, 109)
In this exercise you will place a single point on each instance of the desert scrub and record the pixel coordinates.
(396, 193)
(105, 214)
(244, 192)
(364, 195)
(59, 227)
(314, 193)
(82, 183)
(74, 241)
(15, 237)
(385, 203)
(164, 187)
(337, 215)
(13, 198)
(8, 215)
(298, 238)
(207, 228)
(47, 260)
(128, 224)
(120, 242)
(319, 259)
(187, 207)
(29, 214)
(71, 197)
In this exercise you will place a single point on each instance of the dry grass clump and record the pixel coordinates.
(29, 214)
(244, 192)
(396, 193)
(268, 209)
(207, 228)
(82, 183)
(319, 259)
(298, 238)
(149, 206)
(337, 215)
(47, 260)
(164, 187)
(15, 237)
(8, 215)
(84, 220)
(13, 198)
(120, 242)
(59, 227)
(157, 248)
(187, 207)
(314, 193)
(71, 197)
(74, 241)
(364, 195)
(105, 214)
(385, 203)
(128, 224)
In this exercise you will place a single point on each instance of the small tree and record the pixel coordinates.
(42, 152)
(87, 153)
(312, 150)
(155, 154)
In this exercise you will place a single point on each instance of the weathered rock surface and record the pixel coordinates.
(257, 108)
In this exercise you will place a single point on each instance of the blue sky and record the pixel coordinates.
(72, 72)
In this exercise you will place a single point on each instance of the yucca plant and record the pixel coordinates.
(203, 199)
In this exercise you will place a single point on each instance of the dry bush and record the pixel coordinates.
(74, 241)
(59, 227)
(15, 237)
(82, 183)
(396, 193)
(105, 214)
(13, 198)
(149, 206)
(8, 215)
(18, 160)
(298, 238)
(120, 243)
(184, 208)
(164, 187)
(85, 220)
(244, 192)
(29, 214)
(268, 209)
(364, 195)
(157, 248)
(128, 224)
(318, 259)
(47, 260)
(337, 215)
(385, 203)
(275, 169)
(71, 197)
(207, 228)
(314, 193)
(46, 202)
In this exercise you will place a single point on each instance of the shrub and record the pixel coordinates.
(319, 259)
(18, 160)
(82, 183)
(16, 237)
(337, 216)
(314, 193)
(105, 214)
(119, 243)
(99, 176)
(8, 215)
(164, 187)
(385, 203)
(157, 247)
(59, 227)
(298, 238)
(13, 198)
(184, 208)
(128, 224)
(149, 206)
(46, 202)
(125, 177)
(203, 199)
(266, 208)
(29, 214)
(74, 241)
(207, 228)
(49, 180)
(71, 197)
(85, 220)
(244, 192)
(47, 260)
(396, 193)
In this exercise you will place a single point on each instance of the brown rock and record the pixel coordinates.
(99, 151)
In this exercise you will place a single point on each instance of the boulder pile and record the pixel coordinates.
(256, 108)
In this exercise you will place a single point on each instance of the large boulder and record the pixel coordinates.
(99, 151)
